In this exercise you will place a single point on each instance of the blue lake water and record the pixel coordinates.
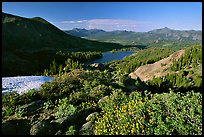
(110, 56)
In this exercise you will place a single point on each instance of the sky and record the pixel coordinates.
(109, 16)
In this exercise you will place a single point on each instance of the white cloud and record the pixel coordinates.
(73, 21)
(67, 22)
(81, 21)
(113, 24)
(105, 24)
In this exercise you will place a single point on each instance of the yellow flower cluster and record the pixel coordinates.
(124, 118)
(90, 104)
(138, 115)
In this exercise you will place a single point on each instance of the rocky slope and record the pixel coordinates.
(147, 72)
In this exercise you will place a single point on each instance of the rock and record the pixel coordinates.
(31, 107)
(103, 99)
(64, 122)
(42, 128)
(47, 115)
(49, 118)
(44, 115)
(189, 79)
(86, 129)
(91, 116)
(16, 127)
(97, 65)
(59, 132)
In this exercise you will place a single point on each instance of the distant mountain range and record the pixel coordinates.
(30, 44)
(164, 37)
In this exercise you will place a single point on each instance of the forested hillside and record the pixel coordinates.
(183, 74)
(147, 56)
(29, 45)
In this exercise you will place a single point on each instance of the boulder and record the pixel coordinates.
(42, 128)
(59, 132)
(91, 116)
(86, 129)
(16, 127)
(103, 99)
(31, 107)
(97, 65)
(63, 122)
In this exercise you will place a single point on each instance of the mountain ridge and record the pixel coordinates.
(158, 29)
(163, 37)
(30, 44)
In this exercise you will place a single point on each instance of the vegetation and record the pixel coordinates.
(185, 73)
(81, 56)
(154, 107)
(146, 56)
(64, 108)
(146, 114)
(191, 59)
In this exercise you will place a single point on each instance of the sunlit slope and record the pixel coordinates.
(183, 62)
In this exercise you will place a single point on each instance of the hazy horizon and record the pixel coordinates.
(133, 31)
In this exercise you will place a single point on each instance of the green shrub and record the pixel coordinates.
(120, 116)
(99, 91)
(88, 105)
(9, 103)
(64, 108)
(175, 113)
(71, 130)
(19, 113)
(49, 104)
(155, 114)
(7, 111)
(11, 100)
(29, 96)
(60, 87)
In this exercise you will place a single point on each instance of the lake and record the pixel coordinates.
(110, 56)
(21, 84)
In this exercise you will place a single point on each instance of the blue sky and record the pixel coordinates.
(132, 16)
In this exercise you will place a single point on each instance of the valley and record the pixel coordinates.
(27, 40)
(103, 83)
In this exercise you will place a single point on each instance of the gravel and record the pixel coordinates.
(22, 84)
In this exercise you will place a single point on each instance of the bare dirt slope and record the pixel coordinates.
(147, 72)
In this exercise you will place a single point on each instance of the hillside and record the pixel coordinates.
(30, 44)
(147, 72)
(186, 63)
(164, 37)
